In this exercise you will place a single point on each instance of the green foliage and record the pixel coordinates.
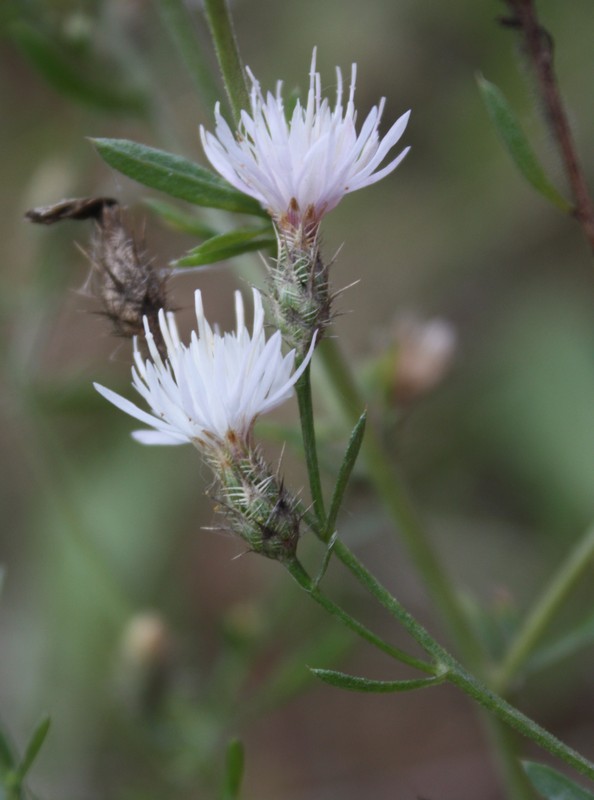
(69, 78)
(354, 683)
(575, 640)
(515, 141)
(174, 175)
(12, 775)
(234, 763)
(344, 473)
(228, 245)
(180, 220)
(552, 785)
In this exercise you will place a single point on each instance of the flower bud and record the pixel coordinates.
(300, 300)
(425, 350)
(145, 660)
(255, 502)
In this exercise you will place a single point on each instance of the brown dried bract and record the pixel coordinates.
(74, 208)
(125, 279)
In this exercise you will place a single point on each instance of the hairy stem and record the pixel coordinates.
(221, 29)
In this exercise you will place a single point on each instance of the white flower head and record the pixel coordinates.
(210, 391)
(300, 169)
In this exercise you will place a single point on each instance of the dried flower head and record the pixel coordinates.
(125, 279)
(301, 169)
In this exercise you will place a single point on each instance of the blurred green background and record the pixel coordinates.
(141, 634)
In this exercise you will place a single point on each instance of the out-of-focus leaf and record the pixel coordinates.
(7, 760)
(516, 143)
(71, 80)
(356, 684)
(33, 747)
(175, 176)
(552, 785)
(577, 639)
(180, 220)
(228, 245)
(233, 770)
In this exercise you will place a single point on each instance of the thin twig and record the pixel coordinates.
(538, 45)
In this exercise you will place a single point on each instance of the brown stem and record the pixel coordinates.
(539, 49)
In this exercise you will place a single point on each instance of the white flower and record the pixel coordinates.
(301, 169)
(214, 388)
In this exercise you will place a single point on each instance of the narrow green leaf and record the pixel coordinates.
(33, 748)
(552, 785)
(234, 764)
(227, 245)
(180, 220)
(355, 684)
(73, 81)
(175, 176)
(516, 143)
(344, 473)
(7, 759)
(575, 640)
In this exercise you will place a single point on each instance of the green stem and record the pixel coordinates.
(223, 36)
(560, 586)
(303, 389)
(455, 672)
(303, 579)
(505, 749)
(181, 27)
(389, 486)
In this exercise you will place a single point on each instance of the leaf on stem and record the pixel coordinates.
(234, 763)
(344, 473)
(577, 639)
(178, 219)
(354, 683)
(552, 785)
(33, 748)
(515, 141)
(7, 759)
(174, 175)
(228, 245)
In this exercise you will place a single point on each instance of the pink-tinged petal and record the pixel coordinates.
(315, 158)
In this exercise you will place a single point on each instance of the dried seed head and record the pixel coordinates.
(127, 283)
(125, 279)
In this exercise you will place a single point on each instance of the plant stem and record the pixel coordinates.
(303, 389)
(445, 663)
(303, 579)
(539, 49)
(221, 29)
(545, 607)
(388, 485)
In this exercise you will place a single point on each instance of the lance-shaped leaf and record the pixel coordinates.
(7, 759)
(356, 684)
(516, 143)
(81, 85)
(344, 473)
(33, 748)
(180, 220)
(552, 785)
(228, 245)
(234, 762)
(175, 176)
(580, 637)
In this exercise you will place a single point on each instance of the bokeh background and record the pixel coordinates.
(142, 635)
